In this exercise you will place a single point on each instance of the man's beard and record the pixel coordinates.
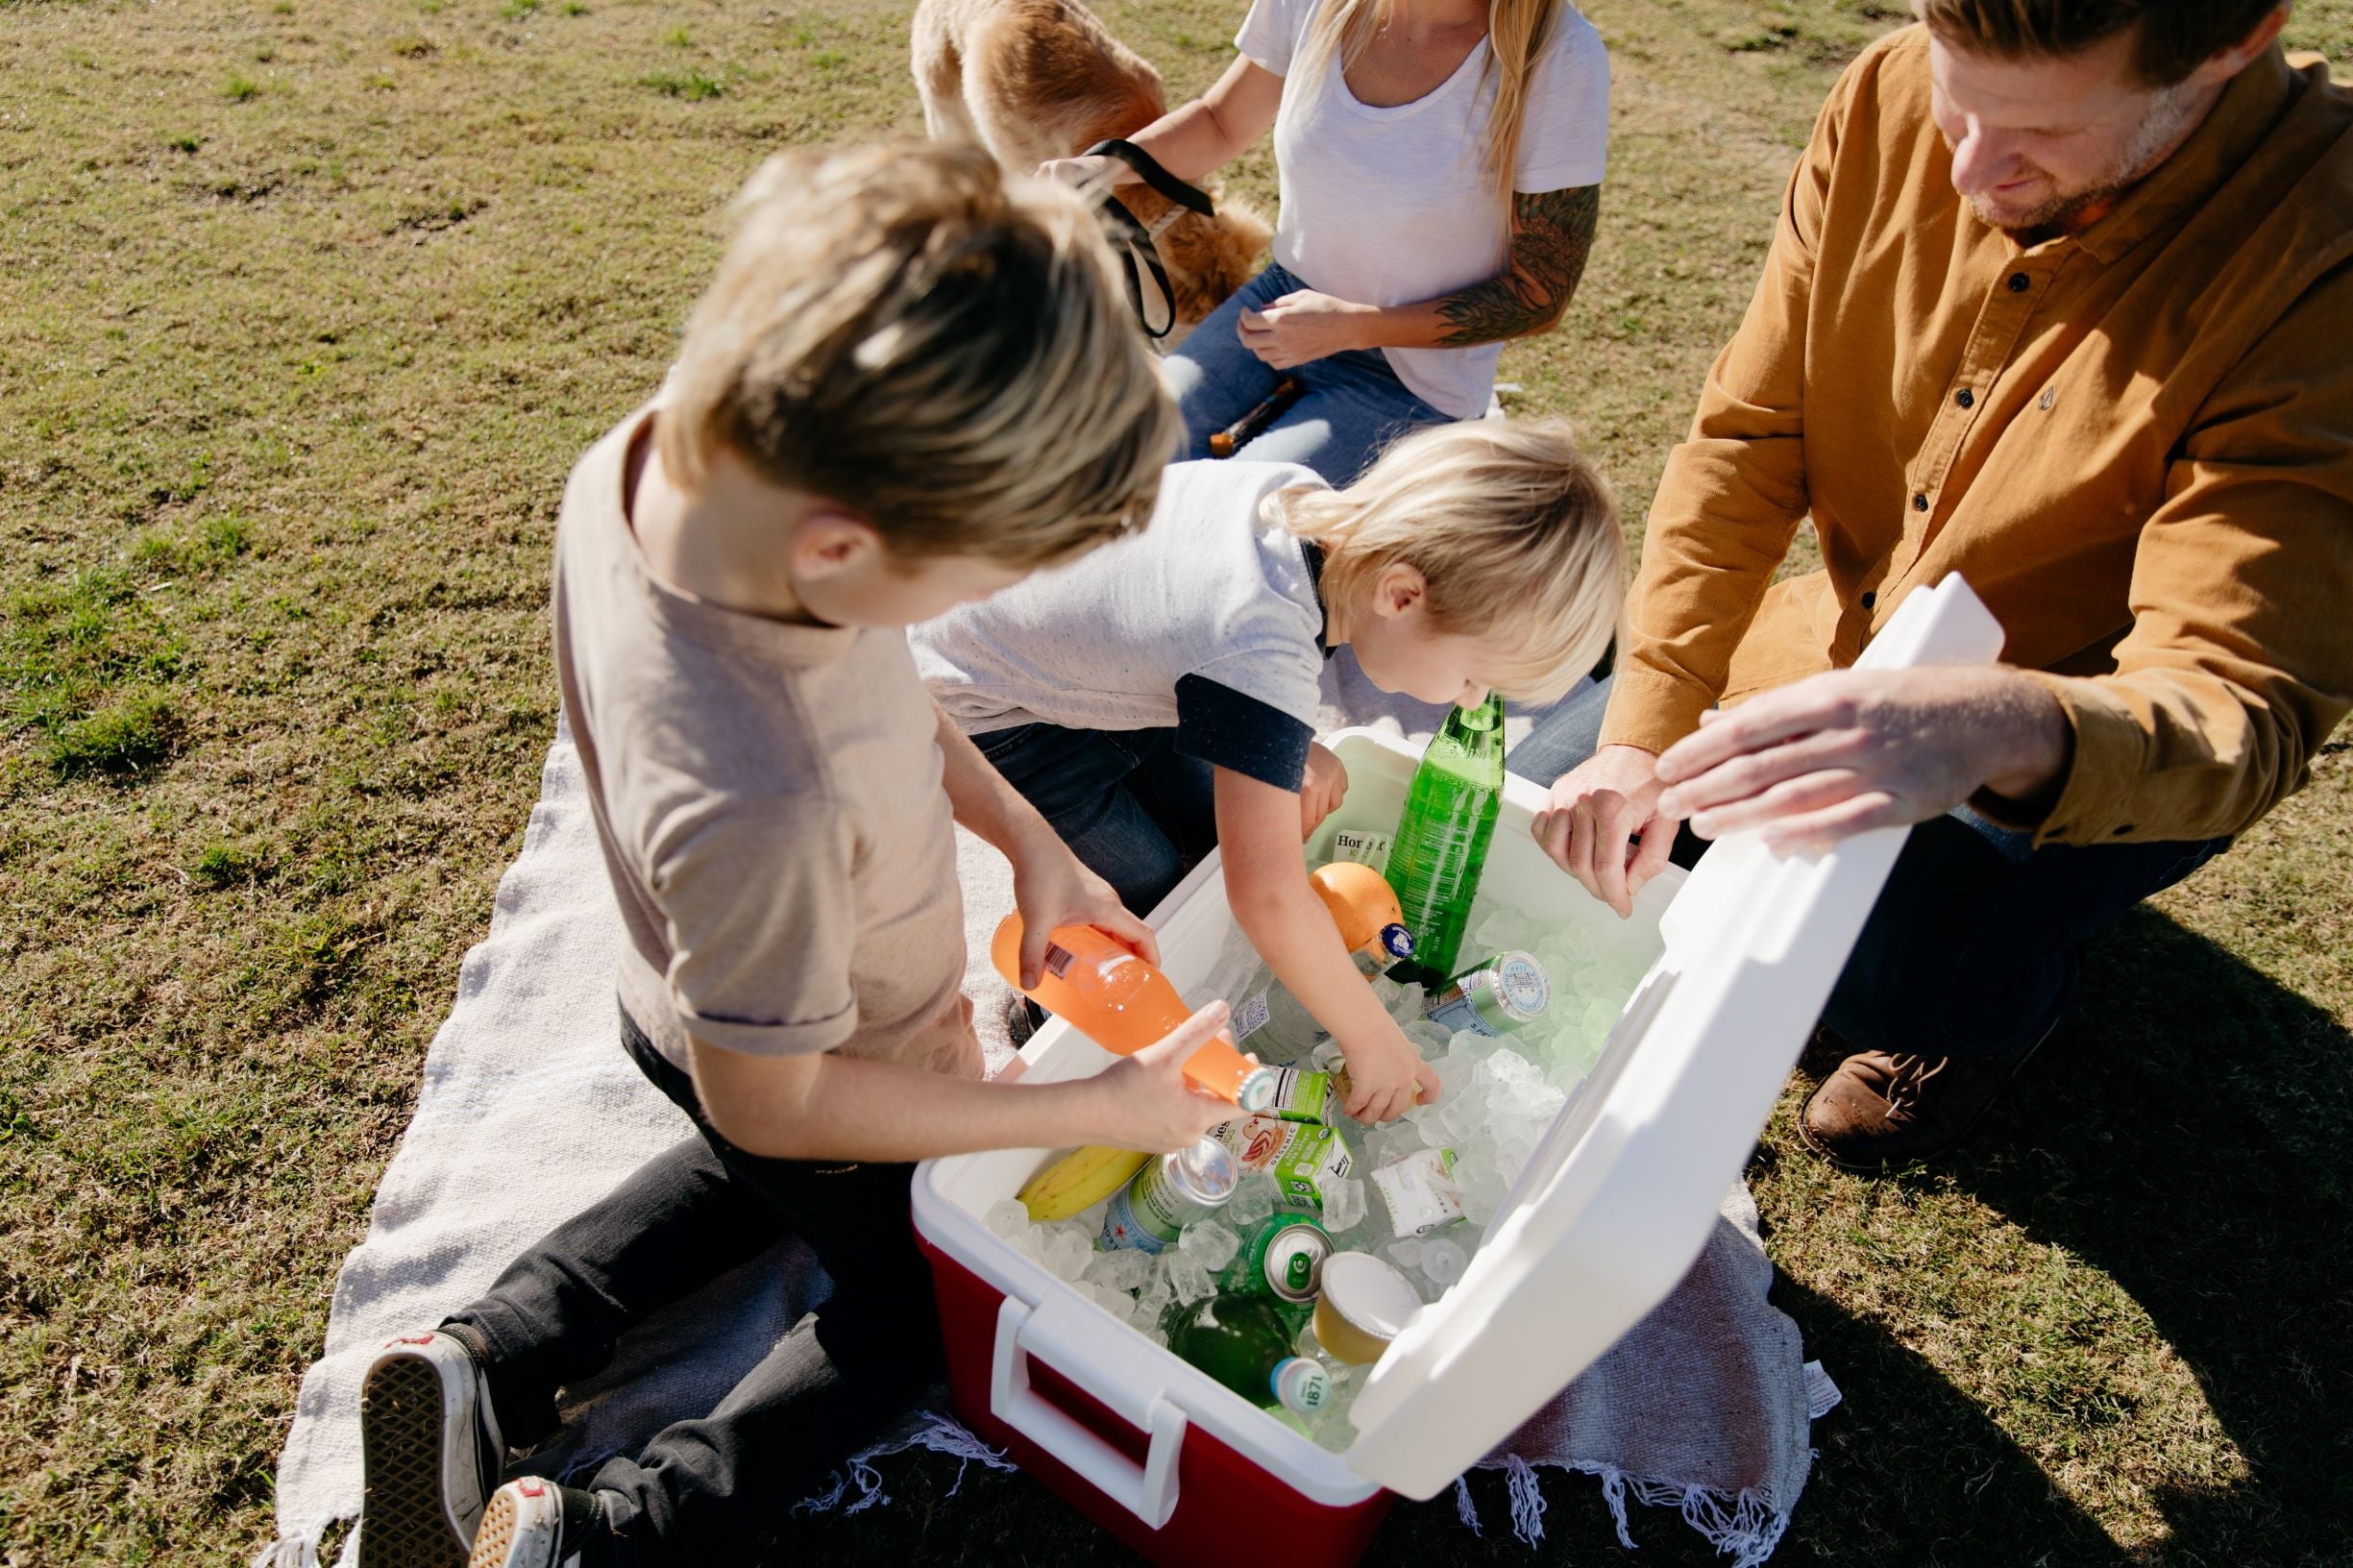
(2170, 118)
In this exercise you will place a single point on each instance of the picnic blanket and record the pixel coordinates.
(530, 1112)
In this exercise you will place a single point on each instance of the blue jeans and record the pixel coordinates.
(1135, 812)
(1352, 406)
(1970, 950)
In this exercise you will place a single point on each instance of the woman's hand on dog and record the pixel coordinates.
(1303, 326)
(1088, 173)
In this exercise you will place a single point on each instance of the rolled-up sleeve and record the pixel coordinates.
(2240, 661)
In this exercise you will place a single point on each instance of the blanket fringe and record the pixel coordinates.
(287, 1552)
(1745, 1528)
(1465, 1509)
(939, 1434)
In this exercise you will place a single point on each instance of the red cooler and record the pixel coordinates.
(1615, 1204)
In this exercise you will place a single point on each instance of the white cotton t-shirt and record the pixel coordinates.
(1392, 205)
(1209, 621)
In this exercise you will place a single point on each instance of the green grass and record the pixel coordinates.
(292, 376)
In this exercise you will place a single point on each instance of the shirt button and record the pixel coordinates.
(1869, 599)
(1920, 503)
(2019, 283)
(1965, 398)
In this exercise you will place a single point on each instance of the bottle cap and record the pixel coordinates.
(1397, 942)
(1299, 1386)
(1258, 1090)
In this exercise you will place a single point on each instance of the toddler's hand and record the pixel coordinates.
(1386, 1076)
(1147, 1104)
(1322, 790)
(1052, 887)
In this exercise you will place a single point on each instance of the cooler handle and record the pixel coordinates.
(1149, 1491)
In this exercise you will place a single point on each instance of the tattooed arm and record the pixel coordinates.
(1552, 234)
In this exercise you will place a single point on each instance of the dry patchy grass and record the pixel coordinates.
(307, 306)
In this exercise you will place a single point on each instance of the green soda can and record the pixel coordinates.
(1442, 837)
(1507, 993)
(1282, 1260)
(1169, 1194)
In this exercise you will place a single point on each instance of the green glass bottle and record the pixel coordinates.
(1441, 842)
(1243, 1342)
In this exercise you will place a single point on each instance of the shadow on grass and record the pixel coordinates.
(2189, 1133)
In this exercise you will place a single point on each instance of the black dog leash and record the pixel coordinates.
(1137, 251)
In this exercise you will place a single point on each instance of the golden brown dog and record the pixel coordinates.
(1032, 80)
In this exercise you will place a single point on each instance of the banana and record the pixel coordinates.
(1078, 1180)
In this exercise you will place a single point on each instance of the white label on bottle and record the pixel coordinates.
(1361, 844)
(1251, 1016)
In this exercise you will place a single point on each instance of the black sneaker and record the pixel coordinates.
(429, 1453)
(536, 1524)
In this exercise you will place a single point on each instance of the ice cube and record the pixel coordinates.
(1253, 1200)
(1405, 1007)
(1008, 1216)
(1428, 1038)
(1214, 1243)
(1123, 1269)
(1067, 1252)
(1386, 992)
(1442, 1261)
(1188, 1276)
(1343, 1206)
(1154, 1297)
(1406, 1251)
(1507, 930)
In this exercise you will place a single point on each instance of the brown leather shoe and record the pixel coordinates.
(1881, 1113)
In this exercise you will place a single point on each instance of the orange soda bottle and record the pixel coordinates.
(1106, 990)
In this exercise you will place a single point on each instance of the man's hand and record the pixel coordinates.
(1855, 749)
(1146, 1103)
(1601, 823)
(1322, 790)
(1386, 1076)
(1303, 326)
(1052, 887)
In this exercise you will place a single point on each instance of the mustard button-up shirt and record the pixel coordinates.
(2136, 444)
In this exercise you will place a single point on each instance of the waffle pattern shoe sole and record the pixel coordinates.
(536, 1524)
(427, 1456)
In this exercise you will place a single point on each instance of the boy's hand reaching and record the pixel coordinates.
(1146, 1102)
(1053, 887)
(1322, 790)
(1386, 1076)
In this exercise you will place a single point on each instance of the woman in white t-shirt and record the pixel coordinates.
(1440, 165)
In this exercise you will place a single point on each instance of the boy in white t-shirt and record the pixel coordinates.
(843, 448)
(1160, 696)
(1440, 165)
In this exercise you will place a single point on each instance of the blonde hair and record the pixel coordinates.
(941, 351)
(1517, 31)
(1512, 529)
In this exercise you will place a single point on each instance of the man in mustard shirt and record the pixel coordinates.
(2061, 300)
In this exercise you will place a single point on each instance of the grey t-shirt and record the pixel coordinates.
(1207, 622)
(769, 802)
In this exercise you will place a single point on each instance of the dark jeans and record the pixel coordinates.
(702, 1491)
(1136, 814)
(1970, 950)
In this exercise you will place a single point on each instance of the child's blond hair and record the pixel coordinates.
(940, 350)
(1512, 529)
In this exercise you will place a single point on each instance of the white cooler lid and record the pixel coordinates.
(1618, 1200)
